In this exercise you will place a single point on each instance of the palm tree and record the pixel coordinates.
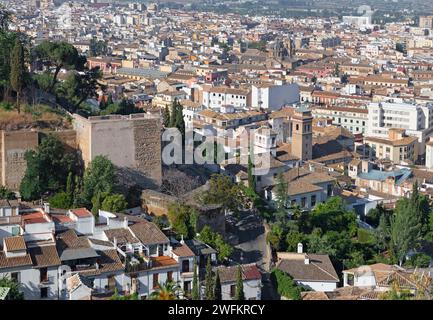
(168, 291)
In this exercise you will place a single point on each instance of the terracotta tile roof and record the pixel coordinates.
(183, 250)
(300, 187)
(16, 243)
(81, 212)
(229, 274)
(319, 268)
(70, 240)
(60, 218)
(108, 261)
(162, 262)
(15, 261)
(314, 295)
(45, 256)
(148, 233)
(37, 217)
(123, 236)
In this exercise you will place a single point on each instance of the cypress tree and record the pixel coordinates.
(239, 294)
(179, 121)
(166, 117)
(195, 284)
(70, 187)
(251, 177)
(172, 122)
(17, 70)
(218, 291)
(209, 282)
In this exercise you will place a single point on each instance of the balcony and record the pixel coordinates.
(46, 281)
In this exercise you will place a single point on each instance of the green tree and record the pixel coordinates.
(58, 54)
(114, 203)
(97, 203)
(251, 177)
(405, 229)
(222, 191)
(293, 238)
(99, 176)
(166, 117)
(218, 290)
(179, 217)
(239, 292)
(70, 186)
(47, 168)
(14, 289)
(168, 291)
(6, 194)
(195, 284)
(179, 120)
(285, 285)
(333, 216)
(31, 186)
(80, 86)
(17, 76)
(216, 241)
(281, 198)
(209, 293)
(61, 200)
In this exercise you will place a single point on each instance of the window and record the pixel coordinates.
(313, 200)
(232, 290)
(15, 276)
(44, 293)
(303, 201)
(185, 266)
(43, 272)
(155, 281)
(329, 191)
(170, 276)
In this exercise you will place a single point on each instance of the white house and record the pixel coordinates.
(252, 281)
(310, 271)
(273, 97)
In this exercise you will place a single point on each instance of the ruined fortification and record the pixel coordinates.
(13, 146)
(132, 143)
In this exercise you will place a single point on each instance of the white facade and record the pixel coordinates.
(274, 97)
(252, 289)
(417, 120)
(318, 285)
(216, 99)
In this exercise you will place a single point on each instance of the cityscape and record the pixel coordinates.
(216, 150)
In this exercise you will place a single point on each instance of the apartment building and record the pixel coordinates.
(416, 120)
(215, 97)
(398, 147)
(353, 119)
(274, 97)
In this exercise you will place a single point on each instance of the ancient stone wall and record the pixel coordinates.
(147, 143)
(132, 143)
(14, 144)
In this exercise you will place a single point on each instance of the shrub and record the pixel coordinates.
(285, 285)
(420, 260)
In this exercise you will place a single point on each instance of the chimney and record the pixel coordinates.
(181, 239)
(115, 242)
(125, 222)
(306, 259)
(300, 247)
(46, 207)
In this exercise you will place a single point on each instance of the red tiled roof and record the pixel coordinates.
(60, 218)
(81, 212)
(37, 217)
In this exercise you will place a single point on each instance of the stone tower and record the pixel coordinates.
(302, 134)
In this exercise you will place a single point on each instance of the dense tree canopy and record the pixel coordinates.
(47, 168)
